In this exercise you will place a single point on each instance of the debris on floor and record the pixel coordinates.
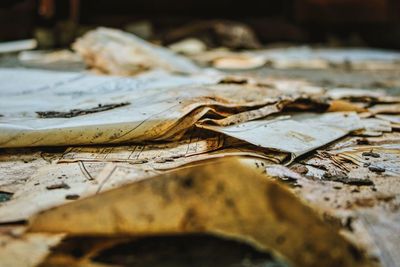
(115, 52)
(149, 144)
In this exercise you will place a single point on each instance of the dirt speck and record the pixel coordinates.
(58, 186)
(233, 80)
(371, 154)
(376, 169)
(72, 197)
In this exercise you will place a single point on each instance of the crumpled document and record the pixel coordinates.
(205, 199)
(86, 109)
(295, 134)
(149, 159)
(130, 108)
(116, 52)
(83, 109)
(278, 140)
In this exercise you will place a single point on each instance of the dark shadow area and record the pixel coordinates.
(165, 251)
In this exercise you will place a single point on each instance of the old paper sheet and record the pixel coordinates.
(143, 153)
(23, 92)
(195, 147)
(87, 109)
(116, 52)
(295, 134)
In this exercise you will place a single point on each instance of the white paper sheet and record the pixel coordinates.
(296, 134)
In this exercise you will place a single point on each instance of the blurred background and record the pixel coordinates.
(56, 23)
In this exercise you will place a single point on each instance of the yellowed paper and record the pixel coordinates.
(205, 199)
(116, 52)
(86, 109)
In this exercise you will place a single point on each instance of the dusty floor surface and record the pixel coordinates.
(209, 251)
